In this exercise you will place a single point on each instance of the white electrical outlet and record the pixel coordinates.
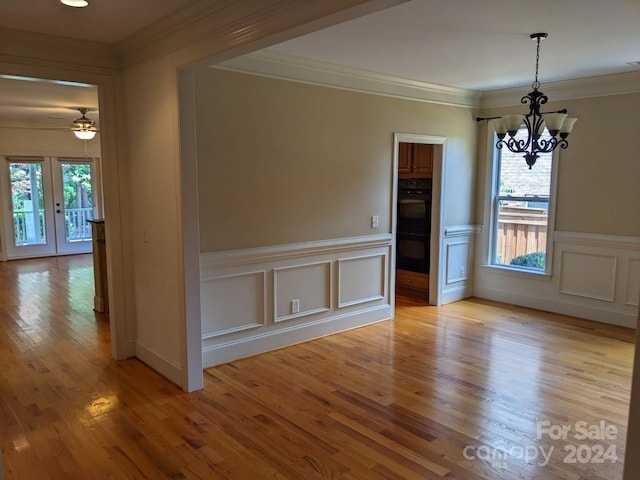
(462, 271)
(295, 305)
(374, 221)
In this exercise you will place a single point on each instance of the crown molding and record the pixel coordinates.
(172, 32)
(278, 65)
(232, 27)
(587, 87)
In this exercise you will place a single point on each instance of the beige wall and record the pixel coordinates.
(54, 143)
(150, 174)
(598, 173)
(282, 162)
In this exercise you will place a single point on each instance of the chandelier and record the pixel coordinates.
(556, 123)
(83, 128)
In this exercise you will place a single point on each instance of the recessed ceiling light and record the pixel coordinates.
(75, 3)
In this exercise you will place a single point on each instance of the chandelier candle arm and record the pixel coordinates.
(556, 123)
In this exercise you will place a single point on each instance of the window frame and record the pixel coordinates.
(491, 208)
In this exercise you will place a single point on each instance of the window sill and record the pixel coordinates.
(517, 272)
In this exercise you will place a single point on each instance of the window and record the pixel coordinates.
(521, 213)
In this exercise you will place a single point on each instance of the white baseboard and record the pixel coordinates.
(159, 363)
(459, 292)
(575, 309)
(130, 348)
(270, 340)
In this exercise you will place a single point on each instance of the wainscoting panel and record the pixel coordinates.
(593, 276)
(233, 303)
(459, 241)
(578, 275)
(309, 284)
(361, 279)
(458, 261)
(246, 294)
(633, 282)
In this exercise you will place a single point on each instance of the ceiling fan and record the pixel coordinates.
(84, 128)
(49, 118)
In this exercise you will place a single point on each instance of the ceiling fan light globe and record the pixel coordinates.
(84, 134)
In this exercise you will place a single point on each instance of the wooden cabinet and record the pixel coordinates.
(415, 160)
(404, 157)
(412, 280)
(423, 159)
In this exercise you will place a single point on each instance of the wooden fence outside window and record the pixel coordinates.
(520, 231)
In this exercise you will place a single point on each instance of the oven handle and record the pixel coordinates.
(413, 235)
(414, 192)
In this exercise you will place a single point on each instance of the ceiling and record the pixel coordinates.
(471, 44)
(46, 104)
(106, 21)
(29, 102)
(483, 45)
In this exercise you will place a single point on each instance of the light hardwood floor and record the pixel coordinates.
(456, 392)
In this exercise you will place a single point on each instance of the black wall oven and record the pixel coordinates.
(413, 229)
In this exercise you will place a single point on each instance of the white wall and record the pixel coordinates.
(246, 294)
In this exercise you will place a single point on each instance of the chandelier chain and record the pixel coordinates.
(536, 83)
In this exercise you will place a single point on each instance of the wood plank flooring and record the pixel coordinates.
(456, 392)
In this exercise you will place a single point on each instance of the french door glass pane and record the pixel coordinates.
(27, 201)
(78, 201)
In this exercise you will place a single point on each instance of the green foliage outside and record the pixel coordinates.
(76, 185)
(76, 181)
(20, 176)
(530, 260)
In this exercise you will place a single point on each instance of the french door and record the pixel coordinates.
(50, 202)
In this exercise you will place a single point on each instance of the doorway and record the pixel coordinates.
(50, 201)
(418, 180)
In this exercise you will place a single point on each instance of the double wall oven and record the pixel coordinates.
(413, 232)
